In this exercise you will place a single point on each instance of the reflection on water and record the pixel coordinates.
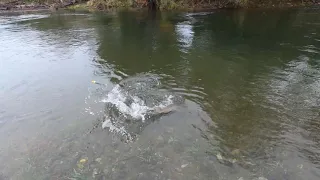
(250, 80)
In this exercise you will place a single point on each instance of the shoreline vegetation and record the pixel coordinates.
(162, 5)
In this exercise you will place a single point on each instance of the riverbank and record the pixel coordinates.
(20, 5)
(185, 5)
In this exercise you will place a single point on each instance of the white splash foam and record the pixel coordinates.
(166, 103)
(137, 109)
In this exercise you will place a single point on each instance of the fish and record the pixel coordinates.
(165, 110)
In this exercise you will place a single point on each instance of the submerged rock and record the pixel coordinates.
(260, 178)
(219, 157)
(184, 165)
(83, 161)
(98, 160)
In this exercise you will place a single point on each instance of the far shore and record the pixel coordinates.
(22, 7)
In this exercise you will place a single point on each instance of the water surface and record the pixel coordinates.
(250, 79)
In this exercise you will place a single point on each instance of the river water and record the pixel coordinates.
(250, 80)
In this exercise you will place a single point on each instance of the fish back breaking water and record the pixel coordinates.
(135, 102)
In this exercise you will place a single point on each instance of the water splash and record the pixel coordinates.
(134, 106)
(137, 109)
(134, 102)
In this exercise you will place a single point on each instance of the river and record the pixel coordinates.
(250, 80)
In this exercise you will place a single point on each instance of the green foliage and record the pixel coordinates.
(107, 4)
(200, 4)
(82, 6)
(241, 3)
(77, 176)
(169, 4)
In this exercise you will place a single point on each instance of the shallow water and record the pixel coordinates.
(250, 79)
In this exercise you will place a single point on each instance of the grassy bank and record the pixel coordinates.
(192, 4)
(156, 4)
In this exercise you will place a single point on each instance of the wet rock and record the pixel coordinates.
(98, 160)
(184, 165)
(225, 161)
(260, 178)
(300, 166)
(81, 163)
(95, 172)
(219, 157)
(171, 139)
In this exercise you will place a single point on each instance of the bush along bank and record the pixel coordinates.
(30, 5)
(197, 4)
(149, 4)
